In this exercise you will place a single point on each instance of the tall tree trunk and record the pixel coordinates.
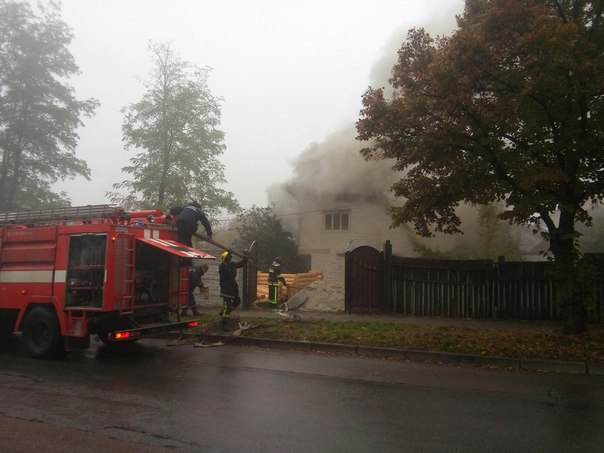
(4, 177)
(9, 178)
(14, 186)
(562, 244)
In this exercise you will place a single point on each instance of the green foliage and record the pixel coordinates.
(425, 251)
(489, 238)
(262, 226)
(497, 237)
(174, 127)
(39, 114)
(509, 108)
(592, 235)
(543, 341)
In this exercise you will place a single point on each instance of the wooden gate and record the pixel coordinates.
(250, 276)
(363, 280)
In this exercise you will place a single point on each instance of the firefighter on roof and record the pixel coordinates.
(229, 290)
(274, 277)
(187, 217)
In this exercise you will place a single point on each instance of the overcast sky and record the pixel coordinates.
(290, 73)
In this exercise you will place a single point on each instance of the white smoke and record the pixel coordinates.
(334, 169)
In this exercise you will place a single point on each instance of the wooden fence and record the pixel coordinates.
(476, 289)
(482, 290)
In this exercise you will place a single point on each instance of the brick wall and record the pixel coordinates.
(368, 225)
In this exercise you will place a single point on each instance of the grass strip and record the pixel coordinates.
(550, 344)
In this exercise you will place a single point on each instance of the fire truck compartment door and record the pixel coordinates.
(176, 248)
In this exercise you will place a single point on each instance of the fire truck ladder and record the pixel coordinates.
(83, 213)
(183, 293)
(124, 297)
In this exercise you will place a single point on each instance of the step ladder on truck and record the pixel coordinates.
(69, 273)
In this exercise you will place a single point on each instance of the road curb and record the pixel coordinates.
(557, 366)
(554, 365)
(595, 368)
(485, 360)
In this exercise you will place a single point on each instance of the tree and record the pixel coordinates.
(262, 226)
(39, 114)
(485, 236)
(175, 128)
(496, 237)
(508, 108)
(592, 238)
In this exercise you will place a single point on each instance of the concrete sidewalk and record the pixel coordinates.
(402, 354)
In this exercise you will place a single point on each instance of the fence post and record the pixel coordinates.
(347, 282)
(387, 278)
(499, 303)
(250, 283)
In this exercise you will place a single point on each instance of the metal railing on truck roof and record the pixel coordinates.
(87, 212)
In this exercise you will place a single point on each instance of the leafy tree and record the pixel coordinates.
(508, 108)
(496, 238)
(262, 226)
(592, 238)
(485, 236)
(39, 114)
(175, 128)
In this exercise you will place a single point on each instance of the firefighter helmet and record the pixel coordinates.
(224, 256)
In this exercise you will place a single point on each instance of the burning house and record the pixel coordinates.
(337, 201)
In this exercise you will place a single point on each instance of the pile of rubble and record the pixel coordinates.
(323, 296)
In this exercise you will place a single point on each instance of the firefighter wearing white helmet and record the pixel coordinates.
(229, 289)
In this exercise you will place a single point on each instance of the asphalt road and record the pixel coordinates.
(155, 397)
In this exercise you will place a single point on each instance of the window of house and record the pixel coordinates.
(337, 220)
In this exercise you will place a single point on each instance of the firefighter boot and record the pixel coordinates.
(225, 324)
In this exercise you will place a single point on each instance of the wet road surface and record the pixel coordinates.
(242, 399)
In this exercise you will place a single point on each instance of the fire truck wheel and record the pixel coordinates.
(104, 337)
(41, 333)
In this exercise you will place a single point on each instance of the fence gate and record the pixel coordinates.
(363, 279)
(250, 277)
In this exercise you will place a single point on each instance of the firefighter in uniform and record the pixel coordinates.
(274, 277)
(195, 274)
(187, 217)
(229, 290)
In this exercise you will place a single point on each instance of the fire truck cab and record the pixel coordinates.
(69, 273)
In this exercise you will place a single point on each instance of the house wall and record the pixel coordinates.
(368, 224)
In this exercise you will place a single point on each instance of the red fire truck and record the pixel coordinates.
(69, 273)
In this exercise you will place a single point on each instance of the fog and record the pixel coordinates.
(333, 169)
(290, 74)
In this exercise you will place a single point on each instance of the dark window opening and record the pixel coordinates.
(86, 270)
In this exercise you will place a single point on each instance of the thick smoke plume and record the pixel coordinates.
(334, 170)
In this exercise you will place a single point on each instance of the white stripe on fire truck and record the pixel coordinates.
(176, 247)
(26, 276)
(36, 276)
